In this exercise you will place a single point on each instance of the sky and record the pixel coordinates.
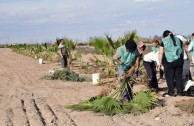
(31, 21)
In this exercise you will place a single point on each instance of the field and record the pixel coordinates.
(28, 100)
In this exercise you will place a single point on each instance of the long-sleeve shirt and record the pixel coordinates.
(151, 57)
(190, 47)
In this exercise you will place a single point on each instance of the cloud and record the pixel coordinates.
(146, 1)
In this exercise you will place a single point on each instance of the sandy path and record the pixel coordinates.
(27, 100)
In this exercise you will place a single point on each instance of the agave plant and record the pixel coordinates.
(66, 74)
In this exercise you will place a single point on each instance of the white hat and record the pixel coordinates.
(183, 39)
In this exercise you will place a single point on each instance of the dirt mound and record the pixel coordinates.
(186, 106)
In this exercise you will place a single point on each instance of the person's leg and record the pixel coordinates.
(122, 82)
(169, 75)
(161, 74)
(149, 72)
(154, 78)
(186, 68)
(179, 79)
(65, 60)
(62, 62)
(190, 77)
(128, 92)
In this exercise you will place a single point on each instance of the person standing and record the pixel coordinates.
(63, 53)
(191, 48)
(171, 57)
(155, 48)
(186, 66)
(126, 57)
(149, 61)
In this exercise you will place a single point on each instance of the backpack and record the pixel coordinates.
(189, 89)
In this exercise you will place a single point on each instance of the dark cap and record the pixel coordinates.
(130, 45)
(192, 34)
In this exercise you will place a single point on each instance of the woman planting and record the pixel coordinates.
(127, 59)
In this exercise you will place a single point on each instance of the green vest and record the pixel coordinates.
(172, 52)
(128, 58)
(155, 49)
(192, 51)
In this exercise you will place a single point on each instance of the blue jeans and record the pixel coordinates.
(127, 93)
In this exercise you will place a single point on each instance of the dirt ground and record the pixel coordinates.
(28, 100)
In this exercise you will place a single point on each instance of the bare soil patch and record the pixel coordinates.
(27, 100)
(186, 106)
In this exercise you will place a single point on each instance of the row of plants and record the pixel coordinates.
(5, 45)
(47, 51)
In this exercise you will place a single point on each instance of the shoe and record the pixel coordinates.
(166, 95)
(179, 94)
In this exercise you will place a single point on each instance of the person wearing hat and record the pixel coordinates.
(171, 57)
(126, 57)
(63, 53)
(191, 48)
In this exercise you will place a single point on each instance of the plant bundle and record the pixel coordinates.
(141, 102)
(66, 74)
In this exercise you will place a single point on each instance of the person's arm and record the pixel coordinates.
(160, 55)
(60, 53)
(137, 62)
(190, 46)
(185, 51)
(116, 57)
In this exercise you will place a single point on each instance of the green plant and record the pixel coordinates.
(67, 75)
(142, 102)
(102, 46)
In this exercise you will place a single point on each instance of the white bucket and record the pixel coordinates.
(95, 78)
(40, 61)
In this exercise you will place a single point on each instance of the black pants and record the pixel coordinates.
(64, 61)
(173, 75)
(161, 74)
(151, 74)
(186, 72)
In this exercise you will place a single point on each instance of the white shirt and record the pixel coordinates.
(185, 55)
(152, 57)
(190, 47)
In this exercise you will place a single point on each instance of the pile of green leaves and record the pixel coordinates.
(142, 102)
(67, 75)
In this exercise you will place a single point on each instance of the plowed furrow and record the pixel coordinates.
(47, 112)
(9, 118)
(63, 117)
(19, 113)
(34, 113)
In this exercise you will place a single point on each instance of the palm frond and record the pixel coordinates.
(81, 106)
(110, 41)
(107, 105)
